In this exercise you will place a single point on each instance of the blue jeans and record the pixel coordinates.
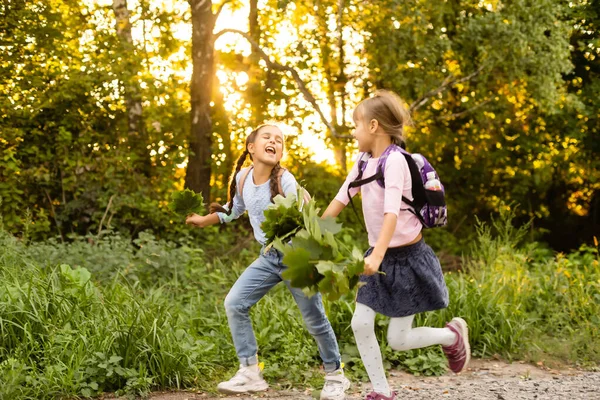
(262, 275)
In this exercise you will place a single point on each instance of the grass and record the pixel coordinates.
(103, 315)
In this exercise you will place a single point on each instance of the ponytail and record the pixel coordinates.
(389, 111)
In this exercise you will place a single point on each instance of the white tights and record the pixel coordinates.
(401, 336)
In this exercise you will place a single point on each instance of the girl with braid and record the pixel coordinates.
(253, 189)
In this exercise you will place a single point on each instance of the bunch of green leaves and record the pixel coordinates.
(186, 202)
(317, 260)
(283, 217)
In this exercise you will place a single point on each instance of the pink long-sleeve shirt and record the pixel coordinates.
(377, 201)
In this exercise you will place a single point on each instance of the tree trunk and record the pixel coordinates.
(133, 98)
(198, 171)
(333, 77)
(341, 85)
(256, 88)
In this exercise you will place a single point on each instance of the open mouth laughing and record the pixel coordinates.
(270, 150)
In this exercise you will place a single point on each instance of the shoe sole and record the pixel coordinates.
(464, 330)
(260, 388)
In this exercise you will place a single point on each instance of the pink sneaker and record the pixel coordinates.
(458, 354)
(379, 396)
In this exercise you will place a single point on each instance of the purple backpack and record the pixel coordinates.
(428, 205)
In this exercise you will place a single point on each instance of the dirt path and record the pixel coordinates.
(484, 380)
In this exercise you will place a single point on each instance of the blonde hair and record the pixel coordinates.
(390, 112)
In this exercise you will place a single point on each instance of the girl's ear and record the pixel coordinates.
(373, 125)
(251, 148)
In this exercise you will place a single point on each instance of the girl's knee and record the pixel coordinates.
(233, 304)
(399, 333)
(398, 342)
(316, 323)
(360, 324)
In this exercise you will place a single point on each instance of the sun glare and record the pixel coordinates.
(233, 83)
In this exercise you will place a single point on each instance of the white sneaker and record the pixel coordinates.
(247, 380)
(335, 386)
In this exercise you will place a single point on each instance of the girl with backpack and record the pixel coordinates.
(402, 275)
(252, 190)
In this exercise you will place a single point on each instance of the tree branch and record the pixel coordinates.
(221, 6)
(467, 111)
(274, 65)
(446, 84)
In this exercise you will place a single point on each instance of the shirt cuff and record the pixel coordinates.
(342, 198)
(393, 201)
(224, 218)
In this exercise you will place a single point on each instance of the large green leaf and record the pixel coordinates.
(329, 224)
(334, 283)
(300, 272)
(186, 202)
(307, 242)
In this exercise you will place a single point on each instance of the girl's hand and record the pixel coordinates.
(195, 219)
(372, 263)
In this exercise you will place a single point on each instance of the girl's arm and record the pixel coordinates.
(202, 221)
(394, 183)
(373, 261)
(341, 199)
(333, 209)
(238, 209)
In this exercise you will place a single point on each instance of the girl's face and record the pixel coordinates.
(364, 133)
(267, 147)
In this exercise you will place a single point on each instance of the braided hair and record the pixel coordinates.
(274, 184)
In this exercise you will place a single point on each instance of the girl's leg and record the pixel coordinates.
(402, 336)
(363, 325)
(315, 319)
(319, 327)
(454, 339)
(250, 287)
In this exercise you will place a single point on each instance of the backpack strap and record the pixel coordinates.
(362, 164)
(240, 186)
(305, 197)
(418, 190)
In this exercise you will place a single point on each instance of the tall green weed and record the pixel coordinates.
(105, 314)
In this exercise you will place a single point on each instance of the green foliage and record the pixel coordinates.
(515, 116)
(65, 145)
(283, 218)
(94, 298)
(317, 259)
(110, 314)
(186, 202)
(428, 364)
(66, 333)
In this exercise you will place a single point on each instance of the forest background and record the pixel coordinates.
(108, 107)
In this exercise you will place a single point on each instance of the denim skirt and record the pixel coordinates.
(409, 281)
